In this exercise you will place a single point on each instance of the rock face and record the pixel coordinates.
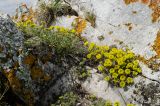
(128, 25)
(11, 42)
(32, 72)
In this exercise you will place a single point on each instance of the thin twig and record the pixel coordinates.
(67, 2)
(150, 79)
(122, 97)
(6, 89)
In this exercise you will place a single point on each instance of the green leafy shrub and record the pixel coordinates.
(64, 41)
(119, 66)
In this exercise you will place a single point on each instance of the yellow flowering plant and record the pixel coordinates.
(119, 66)
(64, 40)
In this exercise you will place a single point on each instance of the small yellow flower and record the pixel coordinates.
(57, 27)
(122, 77)
(100, 68)
(98, 56)
(116, 67)
(91, 46)
(73, 31)
(116, 103)
(28, 22)
(62, 29)
(129, 80)
(107, 78)
(106, 47)
(89, 56)
(135, 62)
(129, 65)
(127, 71)
(51, 27)
(107, 63)
(114, 75)
(135, 73)
(110, 56)
(106, 54)
(139, 70)
(120, 62)
(86, 43)
(112, 70)
(119, 55)
(120, 71)
(122, 84)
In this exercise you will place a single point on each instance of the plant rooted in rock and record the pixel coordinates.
(119, 66)
(63, 40)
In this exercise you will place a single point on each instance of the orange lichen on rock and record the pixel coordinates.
(130, 1)
(38, 74)
(145, 1)
(13, 80)
(17, 87)
(154, 5)
(156, 46)
(29, 60)
(81, 25)
(150, 62)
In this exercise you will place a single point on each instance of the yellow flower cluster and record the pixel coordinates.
(119, 66)
(116, 103)
(55, 28)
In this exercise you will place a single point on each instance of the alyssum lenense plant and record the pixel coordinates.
(119, 66)
(65, 41)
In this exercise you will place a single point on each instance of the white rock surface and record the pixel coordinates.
(112, 15)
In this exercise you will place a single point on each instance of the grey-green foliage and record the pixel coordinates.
(68, 99)
(63, 42)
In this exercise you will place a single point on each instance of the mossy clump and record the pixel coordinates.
(119, 66)
(63, 40)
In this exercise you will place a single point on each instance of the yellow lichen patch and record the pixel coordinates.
(130, 1)
(156, 46)
(81, 25)
(17, 87)
(29, 60)
(38, 74)
(13, 80)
